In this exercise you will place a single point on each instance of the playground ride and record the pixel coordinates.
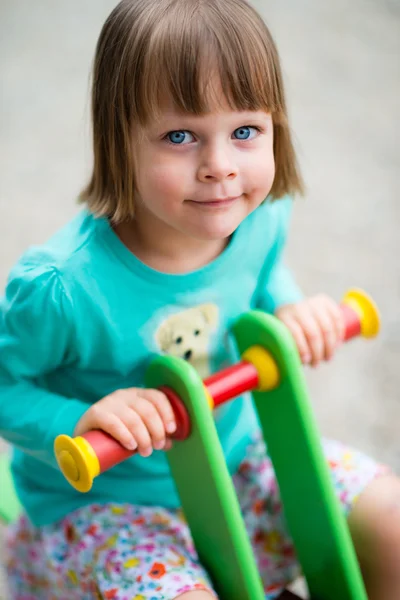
(270, 368)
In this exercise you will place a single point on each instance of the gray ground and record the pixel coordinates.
(342, 67)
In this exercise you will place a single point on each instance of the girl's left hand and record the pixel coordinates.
(316, 325)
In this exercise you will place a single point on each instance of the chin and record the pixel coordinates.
(215, 233)
(218, 229)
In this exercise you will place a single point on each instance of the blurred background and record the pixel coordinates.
(341, 62)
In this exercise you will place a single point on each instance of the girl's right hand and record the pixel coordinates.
(135, 417)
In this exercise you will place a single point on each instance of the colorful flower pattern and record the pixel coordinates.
(124, 552)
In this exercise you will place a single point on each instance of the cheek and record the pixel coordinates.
(163, 179)
(260, 171)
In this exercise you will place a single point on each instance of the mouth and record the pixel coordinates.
(215, 202)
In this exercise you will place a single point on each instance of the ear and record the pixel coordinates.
(163, 335)
(210, 314)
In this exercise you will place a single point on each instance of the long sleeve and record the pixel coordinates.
(277, 285)
(35, 332)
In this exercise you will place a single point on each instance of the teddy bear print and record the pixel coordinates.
(187, 335)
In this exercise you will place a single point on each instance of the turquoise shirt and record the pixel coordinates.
(82, 317)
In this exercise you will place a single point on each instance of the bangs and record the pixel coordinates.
(196, 45)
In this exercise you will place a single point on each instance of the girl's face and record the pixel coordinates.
(200, 176)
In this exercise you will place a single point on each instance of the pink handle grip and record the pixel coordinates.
(107, 449)
(352, 323)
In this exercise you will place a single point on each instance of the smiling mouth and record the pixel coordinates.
(215, 202)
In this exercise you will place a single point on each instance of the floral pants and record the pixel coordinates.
(125, 552)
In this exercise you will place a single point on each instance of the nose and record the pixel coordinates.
(216, 164)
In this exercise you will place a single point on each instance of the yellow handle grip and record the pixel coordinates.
(77, 461)
(367, 310)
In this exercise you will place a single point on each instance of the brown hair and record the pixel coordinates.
(149, 48)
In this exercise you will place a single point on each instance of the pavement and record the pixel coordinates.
(342, 70)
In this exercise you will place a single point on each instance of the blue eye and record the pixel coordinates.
(179, 137)
(244, 133)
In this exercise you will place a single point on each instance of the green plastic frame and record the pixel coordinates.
(10, 507)
(205, 488)
(314, 516)
(209, 502)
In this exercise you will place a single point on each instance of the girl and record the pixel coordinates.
(176, 240)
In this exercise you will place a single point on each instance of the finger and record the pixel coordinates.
(115, 426)
(338, 319)
(299, 337)
(312, 332)
(152, 421)
(327, 327)
(138, 429)
(163, 406)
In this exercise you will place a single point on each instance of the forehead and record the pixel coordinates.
(214, 100)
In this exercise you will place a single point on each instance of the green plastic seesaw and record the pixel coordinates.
(9, 504)
(271, 369)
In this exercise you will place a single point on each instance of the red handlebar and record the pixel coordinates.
(226, 385)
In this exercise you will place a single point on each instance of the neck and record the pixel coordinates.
(166, 249)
